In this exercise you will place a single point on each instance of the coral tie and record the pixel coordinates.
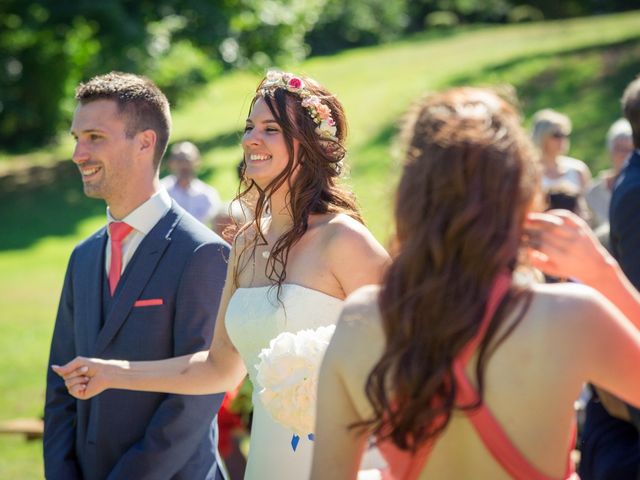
(117, 231)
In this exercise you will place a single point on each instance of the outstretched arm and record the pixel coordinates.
(180, 422)
(217, 370)
(563, 245)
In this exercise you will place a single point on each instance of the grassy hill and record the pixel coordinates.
(579, 67)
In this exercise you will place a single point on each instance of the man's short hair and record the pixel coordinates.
(631, 108)
(140, 101)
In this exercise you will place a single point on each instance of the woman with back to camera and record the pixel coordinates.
(290, 268)
(457, 369)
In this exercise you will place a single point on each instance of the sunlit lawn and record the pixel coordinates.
(578, 66)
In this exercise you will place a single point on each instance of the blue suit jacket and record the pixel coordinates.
(624, 220)
(610, 447)
(137, 435)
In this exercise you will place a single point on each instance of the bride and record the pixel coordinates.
(290, 269)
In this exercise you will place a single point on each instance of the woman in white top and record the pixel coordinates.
(550, 134)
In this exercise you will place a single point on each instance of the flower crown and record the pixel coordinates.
(319, 112)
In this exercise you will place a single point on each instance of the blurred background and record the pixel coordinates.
(207, 56)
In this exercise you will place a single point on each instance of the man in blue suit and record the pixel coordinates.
(145, 287)
(610, 447)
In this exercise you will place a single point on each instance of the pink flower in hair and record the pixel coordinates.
(324, 112)
(294, 84)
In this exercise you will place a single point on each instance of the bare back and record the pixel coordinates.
(532, 381)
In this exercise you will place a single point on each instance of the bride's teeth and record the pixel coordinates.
(259, 157)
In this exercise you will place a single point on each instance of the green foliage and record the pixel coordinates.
(264, 32)
(47, 47)
(358, 22)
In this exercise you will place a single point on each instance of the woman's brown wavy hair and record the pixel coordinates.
(315, 189)
(468, 180)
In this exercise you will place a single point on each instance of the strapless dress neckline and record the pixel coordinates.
(294, 286)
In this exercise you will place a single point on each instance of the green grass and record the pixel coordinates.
(578, 66)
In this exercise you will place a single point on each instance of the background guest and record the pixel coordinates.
(196, 197)
(550, 134)
(610, 447)
(619, 147)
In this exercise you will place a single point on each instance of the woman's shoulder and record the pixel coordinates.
(567, 306)
(342, 233)
(360, 312)
(338, 225)
(573, 163)
(359, 324)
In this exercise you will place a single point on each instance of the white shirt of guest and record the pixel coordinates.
(142, 219)
(199, 199)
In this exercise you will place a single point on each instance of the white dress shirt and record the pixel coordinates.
(199, 199)
(142, 219)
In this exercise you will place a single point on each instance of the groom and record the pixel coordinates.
(145, 287)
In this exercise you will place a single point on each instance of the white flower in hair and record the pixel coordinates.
(319, 112)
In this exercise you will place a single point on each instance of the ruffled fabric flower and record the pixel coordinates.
(295, 84)
(288, 377)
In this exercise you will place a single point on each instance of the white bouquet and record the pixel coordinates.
(288, 376)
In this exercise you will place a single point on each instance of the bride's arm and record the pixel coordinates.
(217, 370)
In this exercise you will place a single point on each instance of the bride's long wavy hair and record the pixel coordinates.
(468, 180)
(314, 189)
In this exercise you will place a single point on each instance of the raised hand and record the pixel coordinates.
(87, 377)
(562, 244)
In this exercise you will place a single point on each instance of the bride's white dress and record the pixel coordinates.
(254, 317)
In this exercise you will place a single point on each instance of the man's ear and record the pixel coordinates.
(146, 142)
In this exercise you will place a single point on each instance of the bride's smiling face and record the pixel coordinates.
(263, 142)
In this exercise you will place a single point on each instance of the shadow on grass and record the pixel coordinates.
(41, 202)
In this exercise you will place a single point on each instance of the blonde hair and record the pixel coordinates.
(546, 122)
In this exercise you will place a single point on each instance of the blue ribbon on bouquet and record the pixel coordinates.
(296, 439)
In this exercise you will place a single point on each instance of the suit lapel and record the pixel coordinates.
(142, 265)
(634, 162)
(95, 272)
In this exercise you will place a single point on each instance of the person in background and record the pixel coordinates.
(550, 134)
(610, 447)
(619, 147)
(196, 197)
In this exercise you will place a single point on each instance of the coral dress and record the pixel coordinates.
(404, 466)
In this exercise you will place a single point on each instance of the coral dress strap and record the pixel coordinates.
(405, 466)
(485, 424)
(402, 464)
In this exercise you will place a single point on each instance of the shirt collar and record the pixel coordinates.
(145, 217)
